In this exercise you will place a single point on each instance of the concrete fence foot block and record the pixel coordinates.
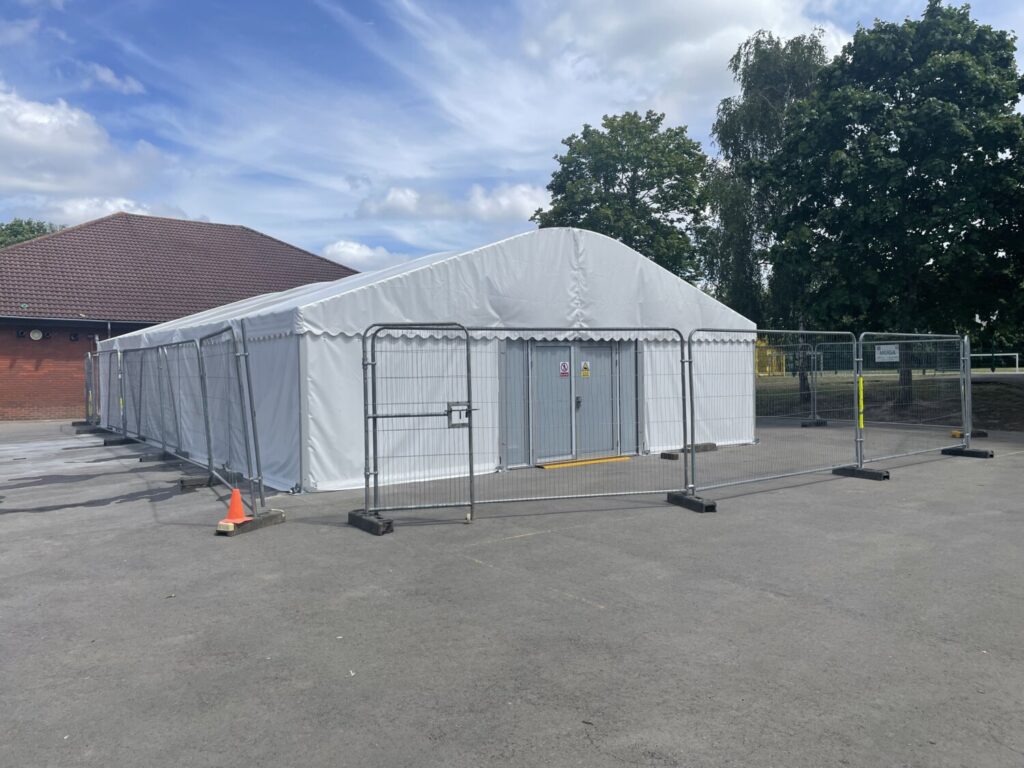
(814, 423)
(158, 456)
(118, 441)
(189, 482)
(370, 522)
(970, 453)
(864, 473)
(695, 503)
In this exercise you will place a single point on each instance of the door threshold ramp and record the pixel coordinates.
(582, 462)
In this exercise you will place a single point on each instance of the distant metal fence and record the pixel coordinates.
(461, 416)
(915, 394)
(168, 394)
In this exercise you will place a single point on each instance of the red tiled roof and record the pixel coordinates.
(149, 269)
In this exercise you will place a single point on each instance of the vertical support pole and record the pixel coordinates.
(814, 382)
(120, 394)
(366, 428)
(966, 401)
(469, 422)
(858, 399)
(238, 355)
(252, 413)
(88, 398)
(138, 401)
(687, 443)
(373, 407)
(162, 399)
(206, 408)
(692, 487)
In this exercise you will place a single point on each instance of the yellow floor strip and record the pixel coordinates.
(583, 462)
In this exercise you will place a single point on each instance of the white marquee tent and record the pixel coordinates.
(305, 346)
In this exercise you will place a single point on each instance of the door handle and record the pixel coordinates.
(579, 400)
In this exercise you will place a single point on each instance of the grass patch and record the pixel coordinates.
(998, 404)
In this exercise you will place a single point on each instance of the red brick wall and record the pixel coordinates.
(43, 379)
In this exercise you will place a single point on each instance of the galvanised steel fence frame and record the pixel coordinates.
(903, 414)
(229, 384)
(423, 461)
(802, 422)
(805, 407)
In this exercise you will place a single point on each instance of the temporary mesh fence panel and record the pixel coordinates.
(915, 393)
(153, 421)
(110, 394)
(187, 433)
(418, 409)
(227, 410)
(132, 372)
(556, 413)
(92, 388)
(785, 402)
(569, 413)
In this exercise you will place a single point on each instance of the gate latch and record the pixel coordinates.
(458, 415)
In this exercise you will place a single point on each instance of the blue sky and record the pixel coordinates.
(367, 131)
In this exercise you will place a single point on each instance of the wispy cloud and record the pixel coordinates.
(17, 31)
(97, 75)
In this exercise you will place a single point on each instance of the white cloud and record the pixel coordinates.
(515, 202)
(17, 31)
(59, 149)
(362, 257)
(505, 202)
(79, 209)
(57, 5)
(105, 77)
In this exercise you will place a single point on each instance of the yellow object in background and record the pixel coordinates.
(769, 361)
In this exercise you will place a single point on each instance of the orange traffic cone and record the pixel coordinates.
(236, 514)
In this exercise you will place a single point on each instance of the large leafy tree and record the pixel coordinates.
(632, 180)
(17, 230)
(900, 182)
(734, 236)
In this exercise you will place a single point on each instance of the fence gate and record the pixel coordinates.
(418, 417)
(914, 394)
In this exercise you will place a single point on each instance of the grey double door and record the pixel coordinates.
(580, 407)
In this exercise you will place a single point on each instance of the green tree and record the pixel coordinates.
(900, 182)
(631, 180)
(17, 230)
(734, 236)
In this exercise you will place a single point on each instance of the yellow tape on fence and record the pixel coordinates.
(860, 402)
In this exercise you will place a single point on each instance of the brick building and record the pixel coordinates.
(61, 292)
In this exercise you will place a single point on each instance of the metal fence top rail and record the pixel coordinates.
(913, 336)
(756, 331)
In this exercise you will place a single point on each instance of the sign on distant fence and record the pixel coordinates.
(887, 353)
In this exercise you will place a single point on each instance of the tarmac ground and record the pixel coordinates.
(812, 621)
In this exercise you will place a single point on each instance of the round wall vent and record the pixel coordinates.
(35, 334)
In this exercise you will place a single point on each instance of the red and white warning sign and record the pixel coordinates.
(563, 369)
